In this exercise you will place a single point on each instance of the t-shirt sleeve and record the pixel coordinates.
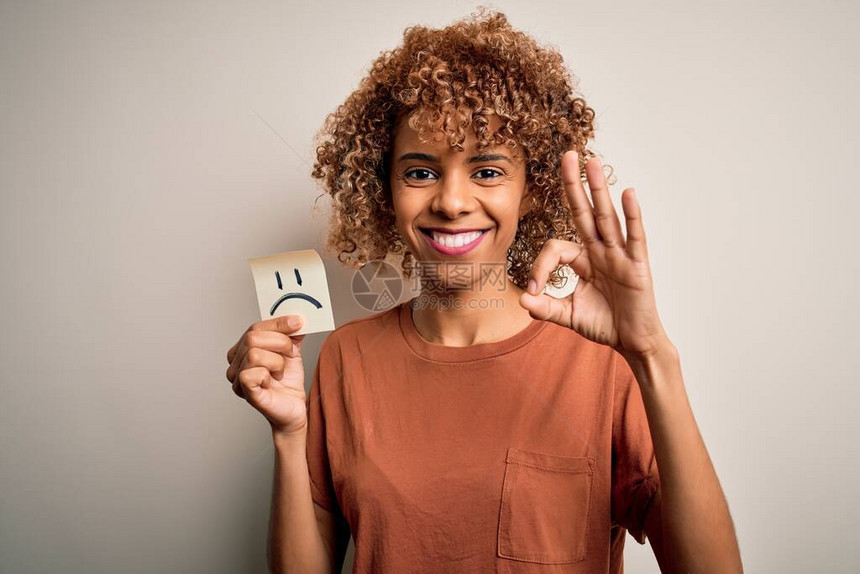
(635, 476)
(319, 468)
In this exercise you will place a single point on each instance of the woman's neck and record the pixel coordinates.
(473, 317)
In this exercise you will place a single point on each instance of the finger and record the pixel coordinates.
(608, 223)
(237, 389)
(269, 340)
(637, 247)
(250, 381)
(257, 357)
(547, 308)
(231, 352)
(297, 341)
(580, 207)
(555, 252)
(234, 350)
(286, 324)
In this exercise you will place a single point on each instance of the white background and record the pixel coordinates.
(148, 149)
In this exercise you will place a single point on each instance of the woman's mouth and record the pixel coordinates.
(453, 241)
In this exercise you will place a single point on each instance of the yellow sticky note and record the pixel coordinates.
(294, 283)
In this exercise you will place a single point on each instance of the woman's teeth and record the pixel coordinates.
(457, 239)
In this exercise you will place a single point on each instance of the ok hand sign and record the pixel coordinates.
(613, 303)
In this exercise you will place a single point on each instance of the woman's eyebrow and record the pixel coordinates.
(473, 159)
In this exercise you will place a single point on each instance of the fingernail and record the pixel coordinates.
(532, 286)
(295, 321)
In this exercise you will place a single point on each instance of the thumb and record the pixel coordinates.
(547, 308)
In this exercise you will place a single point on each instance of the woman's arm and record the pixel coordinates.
(297, 541)
(694, 529)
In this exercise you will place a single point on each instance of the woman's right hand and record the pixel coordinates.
(266, 370)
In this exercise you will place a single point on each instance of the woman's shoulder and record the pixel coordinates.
(361, 331)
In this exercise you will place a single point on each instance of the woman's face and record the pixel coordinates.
(456, 206)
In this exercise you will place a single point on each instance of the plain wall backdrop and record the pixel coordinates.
(148, 149)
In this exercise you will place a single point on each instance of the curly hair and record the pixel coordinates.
(447, 80)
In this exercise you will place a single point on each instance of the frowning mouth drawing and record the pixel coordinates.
(293, 295)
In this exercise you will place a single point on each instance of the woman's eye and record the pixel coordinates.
(425, 172)
(490, 171)
(422, 174)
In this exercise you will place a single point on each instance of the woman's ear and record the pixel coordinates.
(527, 202)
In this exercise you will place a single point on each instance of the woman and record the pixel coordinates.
(484, 426)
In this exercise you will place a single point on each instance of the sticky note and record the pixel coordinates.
(294, 283)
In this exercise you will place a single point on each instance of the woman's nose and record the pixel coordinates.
(452, 198)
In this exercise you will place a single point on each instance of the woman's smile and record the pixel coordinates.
(453, 241)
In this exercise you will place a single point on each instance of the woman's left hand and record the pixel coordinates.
(613, 303)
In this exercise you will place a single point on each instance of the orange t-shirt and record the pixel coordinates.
(531, 454)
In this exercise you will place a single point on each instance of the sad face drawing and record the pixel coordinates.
(292, 295)
(294, 283)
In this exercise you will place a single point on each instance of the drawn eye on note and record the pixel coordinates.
(294, 283)
(293, 295)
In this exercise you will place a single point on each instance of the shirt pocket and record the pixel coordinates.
(546, 501)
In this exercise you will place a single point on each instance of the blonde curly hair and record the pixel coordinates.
(447, 80)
